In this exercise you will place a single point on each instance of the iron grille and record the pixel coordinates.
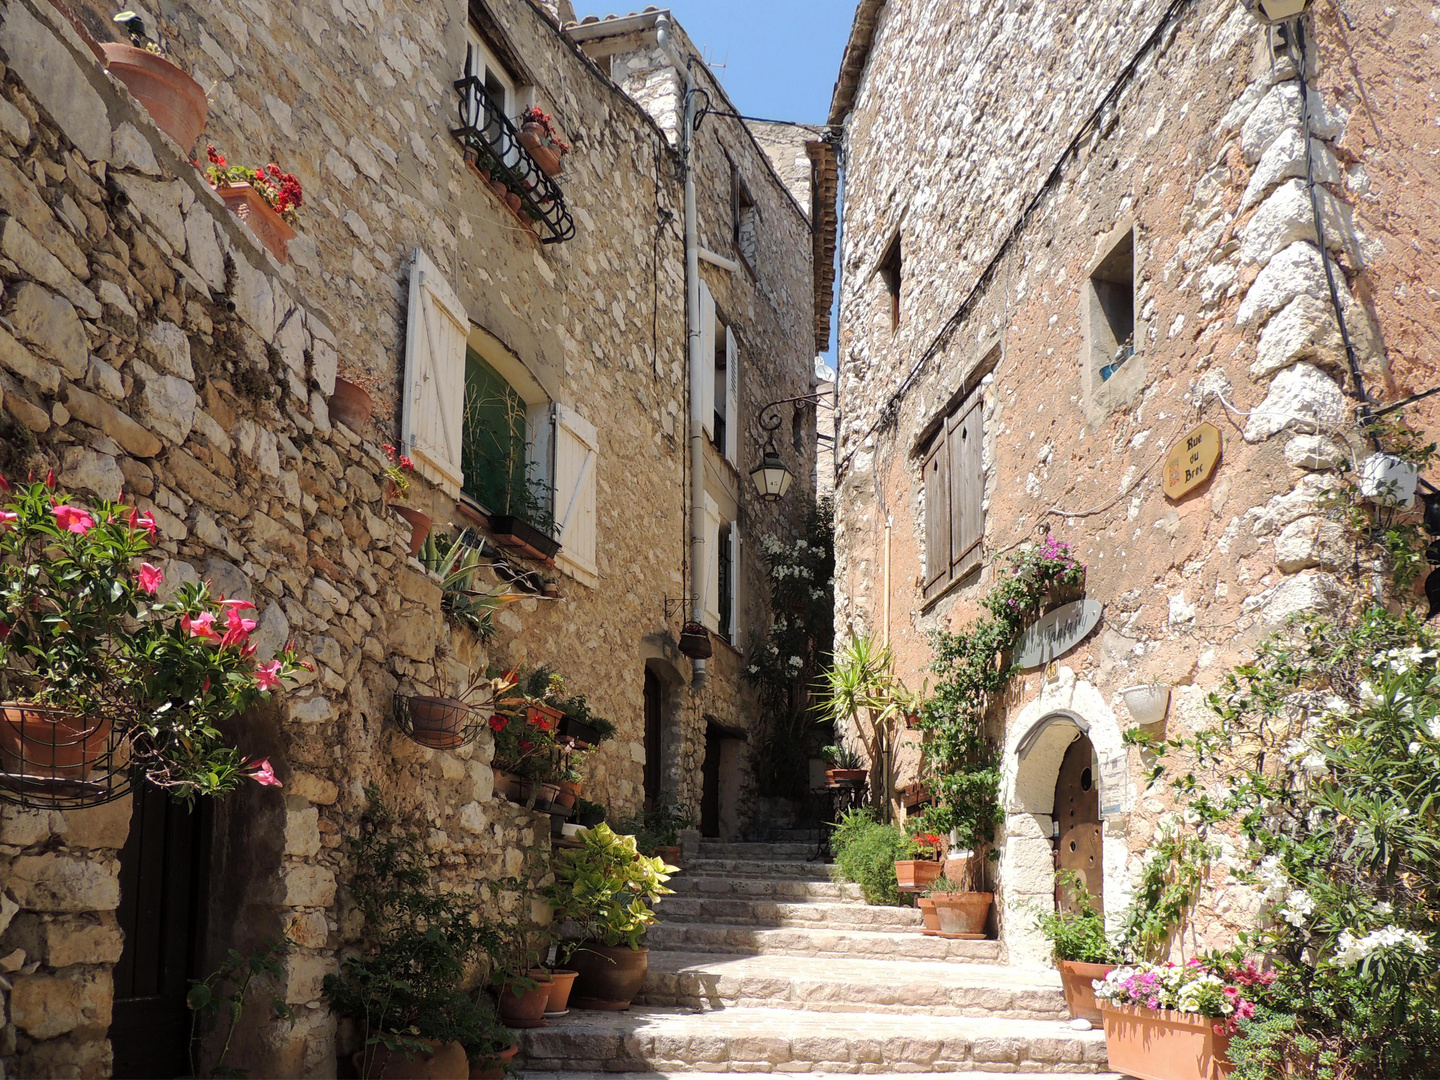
(487, 134)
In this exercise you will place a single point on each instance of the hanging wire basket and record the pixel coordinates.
(55, 759)
(440, 723)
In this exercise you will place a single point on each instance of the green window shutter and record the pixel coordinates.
(493, 448)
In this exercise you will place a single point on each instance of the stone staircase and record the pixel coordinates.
(761, 963)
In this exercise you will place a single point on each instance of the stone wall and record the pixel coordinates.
(149, 346)
(1007, 186)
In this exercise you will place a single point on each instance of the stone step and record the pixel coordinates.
(782, 890)
(537, 1074)
(785, 1040)
(824, 984)
(748, 911)
(804, 941)
(764, 850)
(791, 870)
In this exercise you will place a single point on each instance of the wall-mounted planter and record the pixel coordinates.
(1148, 702)
(269, 228)
(1057, 595)
(56, 759)
(695, 642)
(845, 776)
(517, 533)
(532, 137)
(419, 525)
(174, 100)
(351, 405)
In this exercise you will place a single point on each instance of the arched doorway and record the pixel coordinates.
(1078, 838)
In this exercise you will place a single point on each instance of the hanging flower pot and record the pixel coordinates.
(351, 405)
(174, 100)
(419, 525)
(695, 641)
(532, 137)
(50, 744)
(269, 228)
(1058, 594)
(441, 723)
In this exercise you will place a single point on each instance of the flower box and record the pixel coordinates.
(1162, 1044)
(916, 873)
(514, 532)
(269, 228)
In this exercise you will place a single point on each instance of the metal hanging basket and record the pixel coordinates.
(441, 723)
(56, 759)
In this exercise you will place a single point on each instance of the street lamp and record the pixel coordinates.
(772, 478)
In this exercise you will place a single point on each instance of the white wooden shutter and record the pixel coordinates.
(735, 583)
(711, 605)
(732, 399)
(433, 412)
(707, 361)
(576, 462)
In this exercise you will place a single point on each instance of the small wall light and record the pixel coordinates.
(1275, 11)
(1147, 703)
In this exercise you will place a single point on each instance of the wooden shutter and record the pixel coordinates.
(707, 361)
(576, 461)
(735, 584)
(732, 399)
(711, 599)
(967, 486)
(937, 514)
(432, 415)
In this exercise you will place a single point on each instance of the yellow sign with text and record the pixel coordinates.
(1192, 460)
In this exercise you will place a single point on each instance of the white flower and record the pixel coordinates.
(1369, 697)
(1314, 764)
(1272, 875)
(1353, 950)
(1414, 748)
(1434, 728)
(1337, 705)
(1298, 904)
(1384, 908)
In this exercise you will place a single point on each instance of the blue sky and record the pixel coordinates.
(780, 56)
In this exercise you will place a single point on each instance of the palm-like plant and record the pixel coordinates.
(861, 685)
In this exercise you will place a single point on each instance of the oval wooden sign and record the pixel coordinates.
(1056, 633)
(1192, 460)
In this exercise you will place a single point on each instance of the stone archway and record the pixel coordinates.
(1037, 738)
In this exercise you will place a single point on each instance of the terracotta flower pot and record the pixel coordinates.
(174, 100)
(916, 873)
(505, 785)
(492, 1067)
(50, 743)
(844, 776)
(439, 722)
(562, 980)
(565, 799)
(521, 1008)
(1076, 979)
(962, 915)
(419, 525)
(269, 228)
(927, 912)
(1160, 1044)
(444, 1061)
(669, 852)
(351, 405)
(607, 977)
(544, 793)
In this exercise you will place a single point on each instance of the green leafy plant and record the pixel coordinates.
(946, 884)
(865, 851)
(840, 756)
(82, 630)
(606, 888)
(1077, 935)
(227, 990)
(462, 596)
(861, 688)
(658, 825)
(1270, 1044)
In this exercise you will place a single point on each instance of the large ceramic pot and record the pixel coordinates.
(607, 977)
(532, 137)
(439, 722)
(927, 913)
(562, 981)
(916, 873)
(419, 525)
(492, 1067)
(443, 1061)
(525, 1008)
(174, 100)
(50, 743)
(962, 914)
(1161, 1044)
(269, 228)
(1077, 979)
(351, 405)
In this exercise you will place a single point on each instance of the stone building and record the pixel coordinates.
(1093, 234)
(151, 346)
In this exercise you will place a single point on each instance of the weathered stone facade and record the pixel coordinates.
(151, 346)
(1059, 138)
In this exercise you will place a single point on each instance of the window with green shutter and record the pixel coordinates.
(493, 450)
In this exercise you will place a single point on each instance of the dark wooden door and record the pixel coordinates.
(162, 877)
(654, 717)
(1077, 809)
(710, 784)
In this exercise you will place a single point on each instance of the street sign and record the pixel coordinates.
(1192, 460)
(1056, 633)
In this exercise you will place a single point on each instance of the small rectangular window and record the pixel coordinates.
(891, 269)
(746, 222)
(1112, 309)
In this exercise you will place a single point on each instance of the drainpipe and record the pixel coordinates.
(692, 330)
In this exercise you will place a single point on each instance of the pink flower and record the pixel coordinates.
(150, 578)
(237, 628)
(238, 605)
(267, 676)
(4, 631)
(138, 520)
(73, 519)
(8, 518)
(202, 625)
(262, 773)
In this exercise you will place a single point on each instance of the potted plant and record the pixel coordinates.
(657, 828)
(539, 137)
(404, 987)
(522, 986)
(525, 750)
(588, 814)
(1174, 1021)
(1079, 947)
(98, 674)
(445, 723)
(174, 100)
(397, 487)
(923, 866)
(860, 690)
(581, 725)
(351, 404)
(266, 199)
(846, 766)
(695, 641)
(571, 781)
(458, 563)
(604, 889)
(960, 908)
(1050, 568)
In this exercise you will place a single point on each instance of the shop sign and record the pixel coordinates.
(1057, 632)
(1191, 460)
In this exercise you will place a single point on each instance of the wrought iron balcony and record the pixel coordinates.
(489, 135)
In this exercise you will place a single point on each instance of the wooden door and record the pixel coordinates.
(1077, 810)
(710, 784)
(162, 875)
(654, 718)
